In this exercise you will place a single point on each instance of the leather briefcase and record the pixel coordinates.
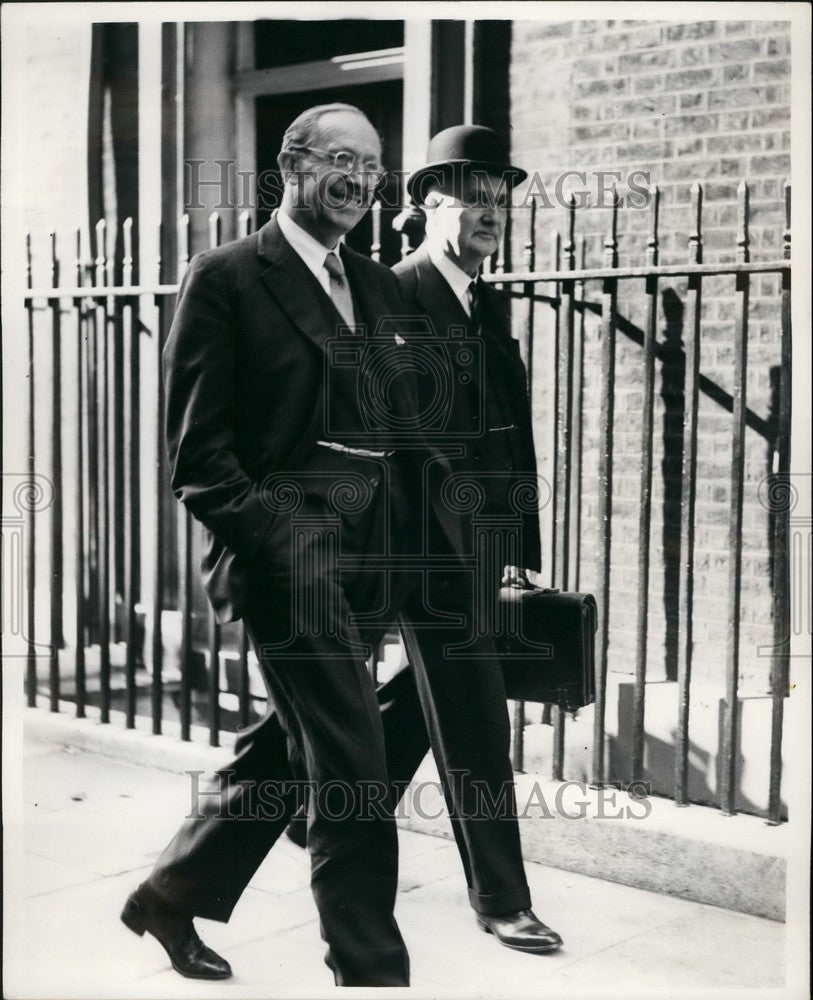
(547, 646)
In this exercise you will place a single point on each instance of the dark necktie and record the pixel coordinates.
(339, 288)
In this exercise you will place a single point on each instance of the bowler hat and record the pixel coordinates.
(459, 147)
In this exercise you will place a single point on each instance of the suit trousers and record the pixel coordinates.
(327, 725)
(458, 679)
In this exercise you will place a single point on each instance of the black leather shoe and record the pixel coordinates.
(145, 911)
(521, 931)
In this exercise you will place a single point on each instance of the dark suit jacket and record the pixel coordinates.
(426, 292)
(244, 371)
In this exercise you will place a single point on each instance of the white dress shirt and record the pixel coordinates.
(311, 251)
(459, 282)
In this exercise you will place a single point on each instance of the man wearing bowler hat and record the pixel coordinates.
(488, 478)
(464, 190)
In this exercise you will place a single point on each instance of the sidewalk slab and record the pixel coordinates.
(695, 853)
(73, 944)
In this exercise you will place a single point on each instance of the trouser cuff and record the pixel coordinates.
(214, 909)
(496, 903)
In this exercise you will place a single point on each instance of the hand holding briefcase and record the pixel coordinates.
(548, 650)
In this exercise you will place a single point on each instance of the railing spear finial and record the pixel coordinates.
(159, 260)
(743, 238)
(77, 264)
(183, 244)
(214, 230)
(530, 243)
(101, 227)
(786, 231)
(611, 239)
(375, 246)
(127, 259)
(54, 259)
(696, 235)
(569, 249)
(653, 243)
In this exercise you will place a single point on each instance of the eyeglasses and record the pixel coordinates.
(347, 162)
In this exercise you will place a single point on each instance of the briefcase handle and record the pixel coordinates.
(517, 585)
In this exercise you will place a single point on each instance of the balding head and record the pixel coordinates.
(330, 162)
(309, 128)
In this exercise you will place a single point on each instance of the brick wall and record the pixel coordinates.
(705, 101)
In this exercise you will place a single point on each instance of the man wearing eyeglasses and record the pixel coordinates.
(252, 458)
(464, 190)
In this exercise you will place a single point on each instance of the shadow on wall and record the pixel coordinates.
(673, 394)
(670, 352)
(705, 763)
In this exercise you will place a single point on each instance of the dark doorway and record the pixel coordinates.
(285, 43)
(383, 105)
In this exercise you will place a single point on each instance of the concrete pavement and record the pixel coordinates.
(91, 826)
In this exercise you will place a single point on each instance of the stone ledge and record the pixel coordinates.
(695, 853)
(138, 746)
(736, 862)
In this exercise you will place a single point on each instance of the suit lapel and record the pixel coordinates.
(511, 391)
(293, 285)
(501, 352)
(496, 324)
(440, 304)
(505, 352)
(435, 295)
(372, 307)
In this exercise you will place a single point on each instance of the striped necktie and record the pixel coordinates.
(339, 288)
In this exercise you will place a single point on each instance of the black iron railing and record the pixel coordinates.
(108, 319)
(568, 299)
